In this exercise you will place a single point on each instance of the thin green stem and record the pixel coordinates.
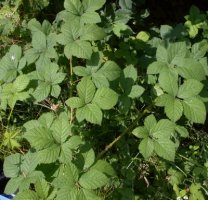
(71, 87)
(127, 130)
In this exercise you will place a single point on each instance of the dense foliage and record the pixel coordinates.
(92, 107)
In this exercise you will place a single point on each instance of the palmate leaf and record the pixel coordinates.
(150, 122)
(194, 110)
(92, 5)
(156, 67)
(21, 82)
(141, 132)
(105, 98)
(42, 188)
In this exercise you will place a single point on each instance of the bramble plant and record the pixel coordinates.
(92, 109)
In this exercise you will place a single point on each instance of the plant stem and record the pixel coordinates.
(127, 130)
(71, 87)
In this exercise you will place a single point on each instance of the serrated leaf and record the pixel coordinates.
(81, 71)
(75, 102)
(49, 154)
(149, 122)
(130, 72)
(39, 40)
(165, 148)
(89, 158)
(194, 110)
(86, 90)
(136, 91)
(92, 5)
(61, 130)
(93, 114)
(93, 179)
(191, 69)
(90, 17)
(12, 165)
(13, 185)
(42, 91)
(146, 147)
(141, 132)
(156, 67)
(182, 131)
(110, 70)
(66, 153)
(163, 129)
(39, 137)
(73, 6)
(79, 48)
(42, 188)
(162, 54)
(92, 32)
(189, 88)
(29, 195)
(21, 82)
(168, 80)
(105, 98)
(173, 109)
(104, 167)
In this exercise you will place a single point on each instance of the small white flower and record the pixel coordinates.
(178, 198)
(13, 57)
(185, 197)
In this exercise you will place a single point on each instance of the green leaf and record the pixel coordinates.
(182, 131)
(65, 154)
(79, 48)
(162, 54)
(110, 70)
(163, 129)
(42, 188)
(90, 17)
(194, 110)
(130, 72)
(163, 99)
(93, 114)
(29, 195)
(168, 80)
(21, 82)
(156, 67)
(75, 102)
(92, 5)
(141, 132)
(81, 71)
(92, 32)
(49, 155)
(150, 122)
(89, 158)
(73, 6)
(189, 88)
(196, 193)
(86, 90)
(61, 130)
(165, 148)
(191, 69)
(39, 137)
(136, 91)
(42, 91)
(39, 40)
(93, 179)
(173, 109)
(12, 165)
(13, 185)
(146, 147)
(104, 167)
(105, 98)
